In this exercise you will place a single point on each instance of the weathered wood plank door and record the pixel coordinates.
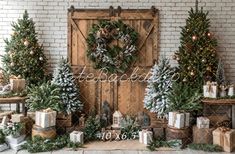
(124, 94)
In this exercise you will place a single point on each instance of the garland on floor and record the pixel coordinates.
(112, 46)
(38, 144)
(205, 147)
(162, 143)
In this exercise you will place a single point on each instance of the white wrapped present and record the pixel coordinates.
(17, 146)
(14, 140)
(17, 117)
(77, 136)
(210, 90)
(45, 118)
(3, 147)
(145, 136)
(203, 122)
(231, 90)
(178, 120)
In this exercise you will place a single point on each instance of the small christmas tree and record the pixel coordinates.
(159, 85)
(196, 55)
(63, 77)
(24, 56)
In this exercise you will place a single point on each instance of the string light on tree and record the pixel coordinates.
(209, 34)
(31, 52)
(192, 73)
(194, 37)
(40, 58)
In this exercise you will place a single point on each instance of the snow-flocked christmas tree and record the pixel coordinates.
(24, 56)
(69, 92)
(159, 86)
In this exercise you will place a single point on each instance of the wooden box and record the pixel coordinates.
(63, 120)
(49, 132)
(183, 134)
(202, 135)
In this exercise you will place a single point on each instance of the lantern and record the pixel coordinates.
(117, 117)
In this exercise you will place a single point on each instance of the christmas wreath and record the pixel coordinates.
(112, 46)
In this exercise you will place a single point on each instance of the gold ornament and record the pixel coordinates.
(194, 37)
(192, 73)
(26, 42)
(208, 68)
(12, 64)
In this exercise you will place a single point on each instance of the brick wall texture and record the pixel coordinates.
(50, 17)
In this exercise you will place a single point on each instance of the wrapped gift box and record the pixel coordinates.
(17, 146)
(3, 147)
(224, 138)
(15, 140)
(17, 117)
(231, 90)
(210, 90)
(145, 136)
(17, 84)
(45, 118)
(178, 120)
(202, 135)
(203, 122)
(76, 136)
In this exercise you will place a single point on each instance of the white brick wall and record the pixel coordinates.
(51, 22)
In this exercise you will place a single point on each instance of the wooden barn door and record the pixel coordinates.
(124, 95)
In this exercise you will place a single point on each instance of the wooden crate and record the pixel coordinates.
(49, 132)
(63, 120)
(124, 95)
(184, 134)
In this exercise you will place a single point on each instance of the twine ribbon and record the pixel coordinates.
(223, 139)
(15, 77)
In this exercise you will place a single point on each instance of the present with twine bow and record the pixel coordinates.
(145, 136)
(203, 122)
(210, 90)
(45, 118)
(17, 83)
(76, 137)
(224, 137)
(178, 119)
